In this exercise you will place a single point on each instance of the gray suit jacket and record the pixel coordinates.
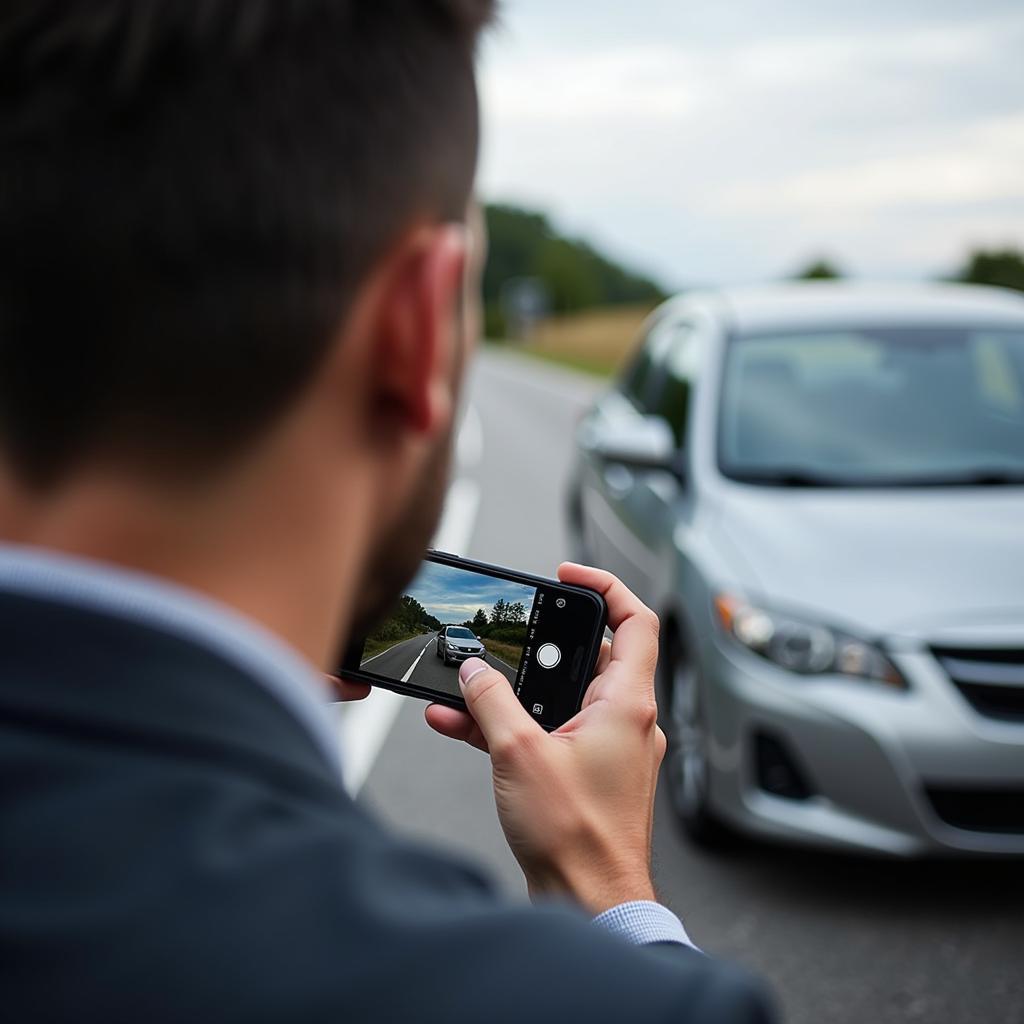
(173, 848)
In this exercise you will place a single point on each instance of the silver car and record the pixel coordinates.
(820, 488)
(457, 643)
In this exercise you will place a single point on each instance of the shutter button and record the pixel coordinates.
(548, 655)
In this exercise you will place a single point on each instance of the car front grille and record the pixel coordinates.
(991, 679)
(999, 810)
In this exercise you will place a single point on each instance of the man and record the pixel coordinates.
(233, 326)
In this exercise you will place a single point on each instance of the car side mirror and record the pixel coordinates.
(646, 443)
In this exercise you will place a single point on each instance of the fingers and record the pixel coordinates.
(622, 603)
(604, 659)
(455, 724)
(491, 701)
(634, 650)
(345, 689)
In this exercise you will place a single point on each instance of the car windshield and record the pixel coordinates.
(461, 632)
(874, 407)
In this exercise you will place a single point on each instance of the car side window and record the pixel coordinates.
(636, 375)
(640, 381)
(673, 397)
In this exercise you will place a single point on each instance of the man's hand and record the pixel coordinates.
(577, 804)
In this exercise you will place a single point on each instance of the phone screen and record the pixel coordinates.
(541, 635)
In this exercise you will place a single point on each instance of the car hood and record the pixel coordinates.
(916, 562)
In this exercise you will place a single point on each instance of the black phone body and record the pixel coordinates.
(542, 635)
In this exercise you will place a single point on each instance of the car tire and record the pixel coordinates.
(684, 721)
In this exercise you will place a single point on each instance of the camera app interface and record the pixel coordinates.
(449, 614)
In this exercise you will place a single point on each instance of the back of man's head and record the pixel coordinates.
(191, 192)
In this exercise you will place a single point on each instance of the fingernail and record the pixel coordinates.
(469, 668)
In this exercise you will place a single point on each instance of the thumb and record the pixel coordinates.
(494, 706)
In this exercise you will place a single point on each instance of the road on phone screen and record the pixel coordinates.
(416, 661)
(840, 939)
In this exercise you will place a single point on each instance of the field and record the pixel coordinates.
(509, 653)
(596, 341)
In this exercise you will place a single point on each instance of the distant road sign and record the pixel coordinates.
(524, 301)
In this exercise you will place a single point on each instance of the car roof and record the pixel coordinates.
(838, 303)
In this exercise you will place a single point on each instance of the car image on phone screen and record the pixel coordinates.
(542, 635)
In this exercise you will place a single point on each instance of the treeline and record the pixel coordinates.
(407, 618)
(1003, 268)
(569, 274)
(506, 623)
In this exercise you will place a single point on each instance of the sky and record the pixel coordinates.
(727, 142)
(454, 595)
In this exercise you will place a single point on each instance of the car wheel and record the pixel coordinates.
(684, 721)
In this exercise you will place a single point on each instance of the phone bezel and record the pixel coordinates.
(500, 572)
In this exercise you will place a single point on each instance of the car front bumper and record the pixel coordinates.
(874, 757)
(463, 655)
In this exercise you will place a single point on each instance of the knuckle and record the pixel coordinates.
(482, 686)
(653, 621)
(513, 747)
(645, 715)
(484, 691)
(660, 744)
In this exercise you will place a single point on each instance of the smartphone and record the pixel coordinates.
(542, 635)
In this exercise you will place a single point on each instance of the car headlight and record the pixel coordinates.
(806, 648)
(451, 644)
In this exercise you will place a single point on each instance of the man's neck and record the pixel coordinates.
(277, 562)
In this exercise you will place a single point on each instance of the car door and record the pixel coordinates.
(624, 509)
(660, 501)
(657, 499)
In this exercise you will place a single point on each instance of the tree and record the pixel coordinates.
(516, 613)
(499, 612)
(819, 270)
(1001, 267)
(574, 275)
(479, 621)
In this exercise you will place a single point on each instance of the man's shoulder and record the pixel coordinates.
(184, 858)
(122, 687)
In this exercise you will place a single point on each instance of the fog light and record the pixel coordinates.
(777, 770)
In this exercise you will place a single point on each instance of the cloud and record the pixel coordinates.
(454, 595)
(727, 143)
(981, 163)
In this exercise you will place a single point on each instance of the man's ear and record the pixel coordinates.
(418, 339)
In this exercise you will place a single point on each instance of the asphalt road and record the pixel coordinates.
(840, 939)
(416, 661)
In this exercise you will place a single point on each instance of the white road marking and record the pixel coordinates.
(363, 726)
(412, 667)
(459, 517)
(469, 445)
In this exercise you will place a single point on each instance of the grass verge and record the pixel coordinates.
(374, 646)
(509, 653)
(597, 341)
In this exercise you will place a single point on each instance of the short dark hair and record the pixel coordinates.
(191, 192)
